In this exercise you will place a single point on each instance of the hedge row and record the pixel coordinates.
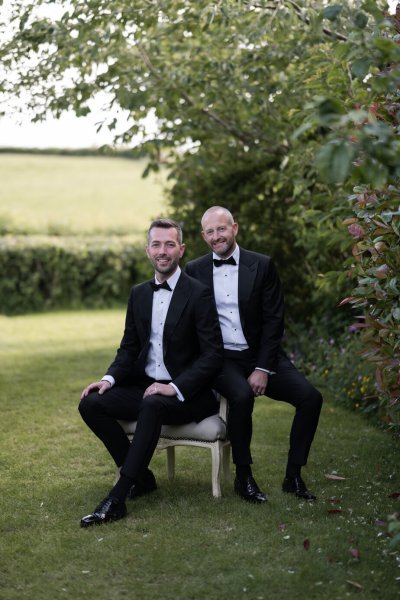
(44, 272)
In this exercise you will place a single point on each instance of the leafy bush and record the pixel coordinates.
(43, 272)
(335, 366)
(362, 153)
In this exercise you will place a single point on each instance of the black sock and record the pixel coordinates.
(293, 471)
(243, 471)
(121, 488)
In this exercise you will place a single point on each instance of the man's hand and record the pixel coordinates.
(100, 386)
(164, 389)
(258, 381)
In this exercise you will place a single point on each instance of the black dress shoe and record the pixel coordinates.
(144, 484)
(295, 485)
(109, 509)
(247, 489)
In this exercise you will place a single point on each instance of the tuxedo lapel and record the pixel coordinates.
(179, 300)
(144, 306)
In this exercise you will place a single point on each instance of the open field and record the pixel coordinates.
(179, 543)
(77, 194)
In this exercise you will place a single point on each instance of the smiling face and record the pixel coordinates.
(219, 231)
(164, 251)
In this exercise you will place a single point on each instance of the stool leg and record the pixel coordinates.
(171, 462)
(216, 469)
(226, 459)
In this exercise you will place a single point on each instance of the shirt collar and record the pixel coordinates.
(173, 280)
(235, 254)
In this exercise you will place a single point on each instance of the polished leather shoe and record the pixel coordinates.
(109, 509)
(248, 490)
(143, 485)
(295, 485)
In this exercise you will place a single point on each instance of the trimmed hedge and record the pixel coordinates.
(47, 272)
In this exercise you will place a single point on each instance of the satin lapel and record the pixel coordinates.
(247, 275)
(178, 302)
(144, 307)
(207, 272)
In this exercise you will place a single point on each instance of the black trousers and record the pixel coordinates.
(287, 385)
(100, 413)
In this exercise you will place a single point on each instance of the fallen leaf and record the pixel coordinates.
(354, 584)
(306, 544)
(394, 495)
(333, 511)
(335, 477)
(355, 553)
(380, 523)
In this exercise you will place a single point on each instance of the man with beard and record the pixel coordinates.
(170, 351)
(249, 302)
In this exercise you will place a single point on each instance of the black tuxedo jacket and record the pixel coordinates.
(261, 305)
(192, 342)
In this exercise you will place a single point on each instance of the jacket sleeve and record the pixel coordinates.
(125, 364)
(272, 318)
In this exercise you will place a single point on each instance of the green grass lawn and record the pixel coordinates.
(179, 543)
(78, 194)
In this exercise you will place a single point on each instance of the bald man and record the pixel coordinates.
(250, 307)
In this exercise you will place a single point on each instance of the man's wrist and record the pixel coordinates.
(110, 379)
(265, 371)
(178, 393)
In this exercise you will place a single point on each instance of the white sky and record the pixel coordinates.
(67, 132)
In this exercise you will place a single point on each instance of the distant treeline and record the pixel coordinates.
(131, 153)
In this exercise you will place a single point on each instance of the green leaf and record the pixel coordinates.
(360, 67)
(360, 20)
(371, 7)
(331, 12)
(334, 162)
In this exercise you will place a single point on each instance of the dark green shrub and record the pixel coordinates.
(43, 272)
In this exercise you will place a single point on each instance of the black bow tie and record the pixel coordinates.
(161, 286)
(227, 261)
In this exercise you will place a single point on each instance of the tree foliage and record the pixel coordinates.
(226, 82)
(274, 108)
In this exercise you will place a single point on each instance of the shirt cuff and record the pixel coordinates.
(109, 378)
(265, 371)
(178, 394)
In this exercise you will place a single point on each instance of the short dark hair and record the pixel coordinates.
(166, 224)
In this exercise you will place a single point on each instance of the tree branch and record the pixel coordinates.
(300, 13)
(243, 137)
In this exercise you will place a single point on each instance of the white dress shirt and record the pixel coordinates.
(226, 286)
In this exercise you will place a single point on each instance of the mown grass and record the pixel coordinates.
(180, 542)
(77, 195)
